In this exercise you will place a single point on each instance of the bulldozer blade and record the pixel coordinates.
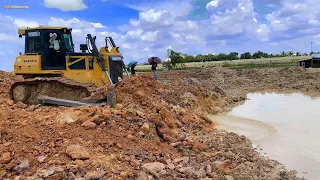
(64, 102)
(111, 96)
(101, 95)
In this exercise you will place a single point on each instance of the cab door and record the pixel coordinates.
(53, 59)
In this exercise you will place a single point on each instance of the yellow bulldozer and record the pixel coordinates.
(53, 73)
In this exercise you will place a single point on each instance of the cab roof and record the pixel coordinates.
(23, 31)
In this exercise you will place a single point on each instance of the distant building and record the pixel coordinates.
(313, 62)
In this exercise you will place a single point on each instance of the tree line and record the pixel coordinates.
(184, 58)
(177, 59)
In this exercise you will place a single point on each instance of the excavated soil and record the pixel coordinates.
(235, 84)
(158, 130)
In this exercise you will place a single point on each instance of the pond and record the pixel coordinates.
(285, 126)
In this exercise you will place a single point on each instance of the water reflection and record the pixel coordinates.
(286, 126)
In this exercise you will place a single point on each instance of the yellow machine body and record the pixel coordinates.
(31, 65)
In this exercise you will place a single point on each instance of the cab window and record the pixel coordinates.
(33, 42)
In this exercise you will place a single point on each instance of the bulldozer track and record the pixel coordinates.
(29, 90)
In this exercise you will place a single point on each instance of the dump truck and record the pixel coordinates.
(53, 73)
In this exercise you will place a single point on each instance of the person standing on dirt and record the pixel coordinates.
(154, 68)
(133, 71)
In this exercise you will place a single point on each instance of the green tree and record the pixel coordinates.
(233, 56)
(222, 57)
(246, 55)
(257, 55)
(189, 58)
(265, 55)
(283, 54)
(290, 53)
(175, 58)
(205, 58)
(199, 58)
(211, 57)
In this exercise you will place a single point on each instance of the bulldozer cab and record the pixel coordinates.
(52, 44)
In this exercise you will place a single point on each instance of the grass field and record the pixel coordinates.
(236, 64)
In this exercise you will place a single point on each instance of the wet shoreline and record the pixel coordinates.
(278, 134)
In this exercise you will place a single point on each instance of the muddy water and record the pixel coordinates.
(285, 126)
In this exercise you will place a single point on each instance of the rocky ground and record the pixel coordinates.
(158, 130)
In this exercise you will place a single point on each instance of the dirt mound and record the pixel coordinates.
(42, 136)
(6, 79)
(139, 130)
(168, 109)
(156, 131)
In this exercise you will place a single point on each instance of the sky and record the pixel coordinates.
(144, 28)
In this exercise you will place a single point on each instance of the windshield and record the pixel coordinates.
(67, 40)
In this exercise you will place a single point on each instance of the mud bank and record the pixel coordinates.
(236, 84)
(158, 130)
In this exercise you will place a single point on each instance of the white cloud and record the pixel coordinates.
(275, 24)
(146, 49)
(176, 7)
(10, 43)
(25, 23)
(98, 25)
(185, 26)
(314, 22)
(65, 5)
(263, 32)
(7, 38)
(193, 37)
(295, 19)
(156, 19)
(240, 19)
(134, 22)
(9, 31)
(317, 39)
(126, 46)
(149, 36)
(114, 35)
(212, 5)
(134, 34)
(74, 23)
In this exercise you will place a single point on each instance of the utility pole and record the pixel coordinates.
(311, 47)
